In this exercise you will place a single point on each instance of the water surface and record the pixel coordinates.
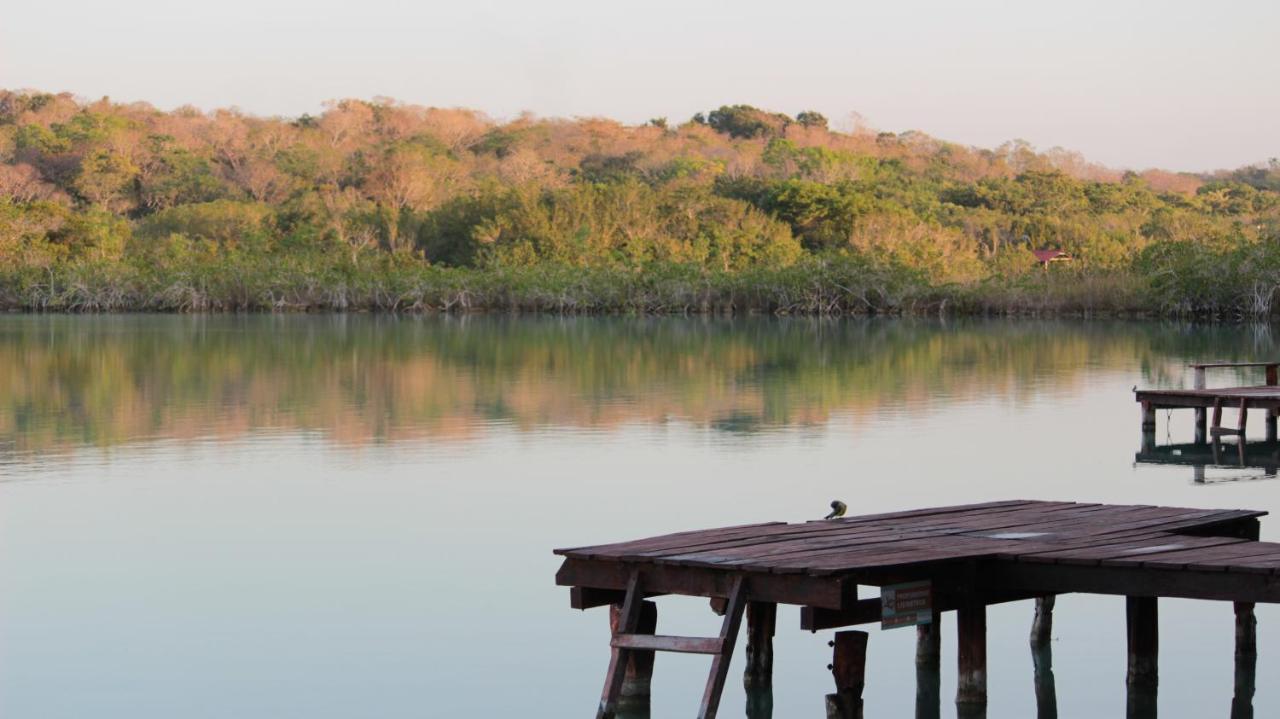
(347, 516)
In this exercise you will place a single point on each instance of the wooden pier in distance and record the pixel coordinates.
(1202, 399)
(965, 557)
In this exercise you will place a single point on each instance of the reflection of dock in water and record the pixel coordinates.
(1264, 456)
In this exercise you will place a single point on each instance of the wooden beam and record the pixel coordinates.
(867, 611)
(665, 643)
(827, 592)
(590, 598)
(1181, 583)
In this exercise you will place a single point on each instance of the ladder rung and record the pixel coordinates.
(661, 643)
(1219, 431)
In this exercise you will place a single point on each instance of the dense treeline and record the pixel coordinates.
(378, 205)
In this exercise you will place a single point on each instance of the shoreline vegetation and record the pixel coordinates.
(384, 207)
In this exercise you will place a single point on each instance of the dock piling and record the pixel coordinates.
(1246, 630)
(1245, 683)
(849, 668)
(1042, 625)
(1202, 415)
(1045, 686)
(929, 642)
(1148, 417)
(1143, 631)
(638, 678)
(971, 652)
(762, 618)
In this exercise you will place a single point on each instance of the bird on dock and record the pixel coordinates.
(838, 509)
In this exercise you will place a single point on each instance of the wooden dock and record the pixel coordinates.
(959, 558)
(1202, 399)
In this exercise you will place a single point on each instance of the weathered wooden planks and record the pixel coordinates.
(818, 564)
(1048, 532)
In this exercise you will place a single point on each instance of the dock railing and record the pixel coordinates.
(1200, 368)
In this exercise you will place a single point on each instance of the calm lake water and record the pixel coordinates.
(242, 517)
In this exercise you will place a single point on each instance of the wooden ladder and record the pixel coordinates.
(625, 641)
(1217, 430)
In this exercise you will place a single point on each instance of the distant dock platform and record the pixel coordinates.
(925, 562)
(1202, 399)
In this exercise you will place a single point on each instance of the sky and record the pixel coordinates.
(1174, 84)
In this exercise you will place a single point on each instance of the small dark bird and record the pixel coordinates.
(838, 509)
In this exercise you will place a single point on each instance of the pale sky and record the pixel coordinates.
(1189, 85)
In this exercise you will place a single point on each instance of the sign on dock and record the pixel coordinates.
(906, 605)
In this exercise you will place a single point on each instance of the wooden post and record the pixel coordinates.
(1246, 681)
(638, 678)
(1217, 414)
(929, 642)
(1201, 413)
(1045, 686)
(1042, 625)
(928, 692)
(760, 703)
(1142, 623)
(1246, 630)
(929, 668)
(971, 651)
(1140, 703)
(1243, 419)
(1148, 417)
(1272, 375)
(1271, 425)
(1143, 631)
(849, 668)
(762, 618)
